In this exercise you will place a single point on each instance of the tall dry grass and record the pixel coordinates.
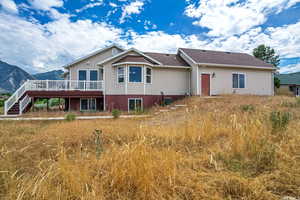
(211, 149)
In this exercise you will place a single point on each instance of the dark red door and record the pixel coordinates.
(205, 84)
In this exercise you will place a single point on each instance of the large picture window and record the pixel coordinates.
(88, 104)
(135, 104)
(135, 74)
(121, 74)
(148, 75)
(238, 80)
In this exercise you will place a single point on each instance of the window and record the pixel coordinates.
(238, 80)
(135, 104)
(135, 74)
(121, 74)
(88, 104)
(93, 75)
(148, 75)
(82, 75)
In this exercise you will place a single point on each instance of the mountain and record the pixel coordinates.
(51, 75)
(12, 77)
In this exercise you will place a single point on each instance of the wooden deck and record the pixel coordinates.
(65, 94)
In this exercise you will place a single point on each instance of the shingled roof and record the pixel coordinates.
(289, 79)
(168, 59)
(225, 58)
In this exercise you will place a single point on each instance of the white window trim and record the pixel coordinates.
(147, 75)
(142, 102)
(88, 75)
(124, 73)
(238, 73)
(142, 72)
(88, 99)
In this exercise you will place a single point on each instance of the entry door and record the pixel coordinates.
(205, 84)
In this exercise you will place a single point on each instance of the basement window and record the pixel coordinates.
(135, 104)
(88, 104)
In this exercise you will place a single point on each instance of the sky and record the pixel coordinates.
(43, 35)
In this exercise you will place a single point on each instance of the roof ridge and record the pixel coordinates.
(208, 50)
(161, 53)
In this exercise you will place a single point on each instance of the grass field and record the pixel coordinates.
(236, 147)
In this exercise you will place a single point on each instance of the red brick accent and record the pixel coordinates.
(121, 101)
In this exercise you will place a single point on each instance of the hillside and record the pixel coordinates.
(11, 77)
(233, 147)
(51, 75)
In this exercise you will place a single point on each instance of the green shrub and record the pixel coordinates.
(116, 113)
(279, 120)
(70, 117)
(1, 102)
(247, 108)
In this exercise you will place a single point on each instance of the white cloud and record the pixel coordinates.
(46, 4)
(236, 17)
(44, 47)
(9, 5)
(90, 5)
(159, 41)
(49, 46)
(135, 7)
(112, 4)
(290, 68)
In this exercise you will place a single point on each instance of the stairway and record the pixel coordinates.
(15, 109)
(22, 105)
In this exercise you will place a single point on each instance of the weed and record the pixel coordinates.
(98, 143)
(70, 117)
(116, 113)
(279, 120)
(247, 108)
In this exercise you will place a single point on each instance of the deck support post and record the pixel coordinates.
(69, 104)
(47, 104)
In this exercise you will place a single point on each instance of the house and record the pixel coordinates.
(289, 84)
(128, 79)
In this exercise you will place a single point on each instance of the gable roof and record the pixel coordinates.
(123, 54)
(289, 79)
(135, 59)
(93, 54)
(168, 59)
(200, 56)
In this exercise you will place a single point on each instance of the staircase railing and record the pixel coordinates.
(24, 103)
(51, 85)
(14, 98)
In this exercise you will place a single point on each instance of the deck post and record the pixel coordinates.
(47, 104)
(69, 104)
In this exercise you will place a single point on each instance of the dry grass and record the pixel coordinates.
(212, 149)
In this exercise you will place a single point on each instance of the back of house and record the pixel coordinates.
(128, 79)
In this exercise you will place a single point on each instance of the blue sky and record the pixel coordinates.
(42, 35)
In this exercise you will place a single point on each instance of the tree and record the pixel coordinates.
(268, 55)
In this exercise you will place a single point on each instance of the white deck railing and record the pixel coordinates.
(52, 85)
(24, 103)
(14, 98)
